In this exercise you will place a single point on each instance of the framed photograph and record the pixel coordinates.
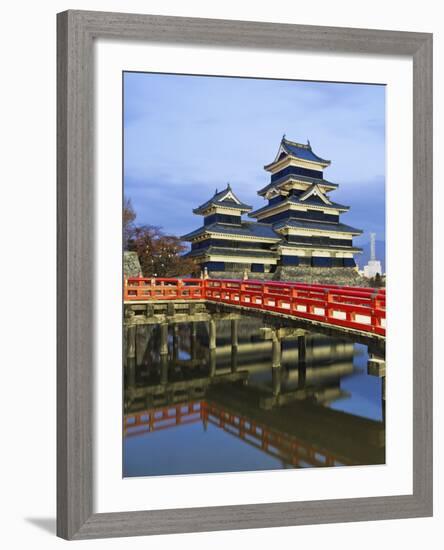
(244, 275)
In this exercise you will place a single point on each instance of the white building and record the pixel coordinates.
(374, 266)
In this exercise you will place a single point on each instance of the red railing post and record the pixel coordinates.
(294, 300)
(329, 299)
(375, 319)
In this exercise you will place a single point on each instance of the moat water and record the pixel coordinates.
(189, 409)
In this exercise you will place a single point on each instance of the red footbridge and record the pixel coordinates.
(352, 308)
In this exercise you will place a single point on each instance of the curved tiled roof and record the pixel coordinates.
(217, 250)
(309, 202)
(306, 179)
(218, 199)
(247, 229)
(297, 246)
(295, 200)
(334, 227)
(301, 151)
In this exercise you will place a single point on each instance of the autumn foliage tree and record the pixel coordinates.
(160, 255)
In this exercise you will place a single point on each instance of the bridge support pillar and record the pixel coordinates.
(131, 355)
(276, 351)
(164, 339)
(164, 368)
(234, 344)
(212, 333)
(234, 358)
(175, 342)
(164, 353)
(143, 335)
(376, 366)
(212, 362)
(234, 332)
(276, 380)
(302, 361)
(193, 341)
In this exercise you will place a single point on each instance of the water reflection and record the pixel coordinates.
(232, 395)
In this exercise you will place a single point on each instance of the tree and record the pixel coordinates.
(160, 255)
(378, 280)
(129, 215)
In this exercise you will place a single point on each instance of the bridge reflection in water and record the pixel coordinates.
(213, 392)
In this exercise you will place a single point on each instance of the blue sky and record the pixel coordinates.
(185, 136)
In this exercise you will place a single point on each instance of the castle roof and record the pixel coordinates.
(216, 250)
(331, 227)
(292, 199)
(247, 229)
(298, 246)
(297, 177)
(298, 150)
(301, 151)
(225, 198)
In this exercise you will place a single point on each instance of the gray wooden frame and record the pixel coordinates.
(77, 31)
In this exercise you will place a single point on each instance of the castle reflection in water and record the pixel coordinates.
(230, 395)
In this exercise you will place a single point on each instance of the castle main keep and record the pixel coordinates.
(297, 235)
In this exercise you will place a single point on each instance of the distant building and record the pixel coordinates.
(374, 266)
(297, 230)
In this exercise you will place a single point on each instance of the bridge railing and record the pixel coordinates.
(144, 288)
(356, 309)
(351, 307)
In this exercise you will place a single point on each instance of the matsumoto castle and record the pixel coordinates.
(297, 234)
